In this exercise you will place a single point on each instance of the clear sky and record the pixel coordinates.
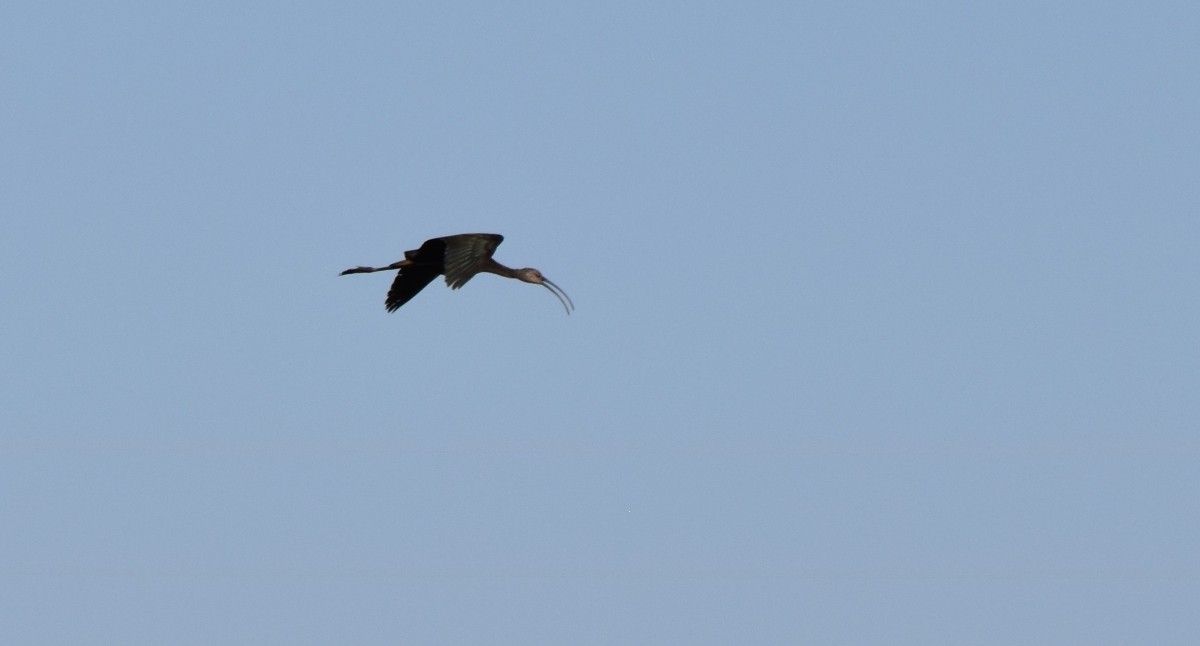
(886, 330)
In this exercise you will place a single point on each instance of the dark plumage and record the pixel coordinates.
(459, 258)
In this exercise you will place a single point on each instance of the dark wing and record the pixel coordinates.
(466, 254)
(425, 265)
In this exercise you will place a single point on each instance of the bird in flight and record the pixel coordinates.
(459, 257)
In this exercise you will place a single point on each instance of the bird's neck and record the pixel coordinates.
(493, 267)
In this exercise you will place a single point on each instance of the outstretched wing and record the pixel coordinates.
(423, 266)
(466, 254)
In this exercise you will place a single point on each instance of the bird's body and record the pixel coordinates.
(459, 258)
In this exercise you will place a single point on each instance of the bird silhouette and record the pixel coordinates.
(459, 258)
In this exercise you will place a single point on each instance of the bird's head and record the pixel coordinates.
(531, 275)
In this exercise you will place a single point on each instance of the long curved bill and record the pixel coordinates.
(557, 291)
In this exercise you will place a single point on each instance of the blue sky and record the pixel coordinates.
(886, 326)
